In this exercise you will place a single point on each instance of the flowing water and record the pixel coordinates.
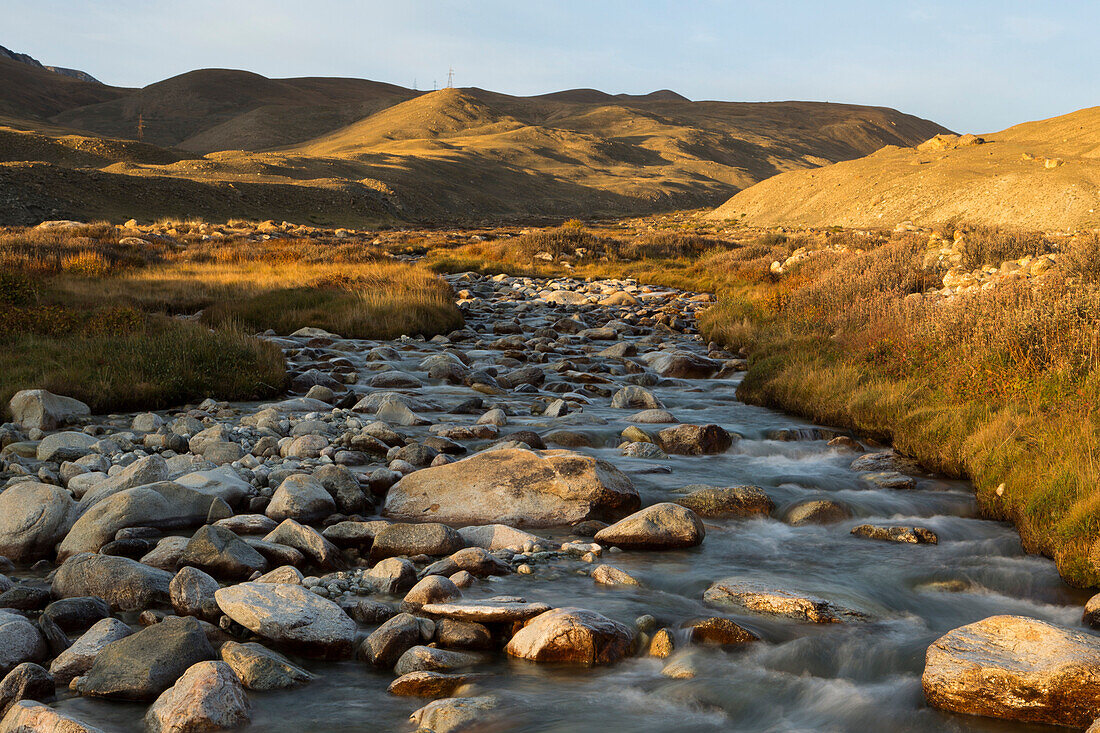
(803, 677)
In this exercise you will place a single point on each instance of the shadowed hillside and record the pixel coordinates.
(1038, 175)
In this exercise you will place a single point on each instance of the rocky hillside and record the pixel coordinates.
(1038, 175)
(31, 61)
(452, 153)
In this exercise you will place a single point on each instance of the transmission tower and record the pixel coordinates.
(451, 78)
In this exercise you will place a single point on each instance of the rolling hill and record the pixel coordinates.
(1037, 175)
(360, 149)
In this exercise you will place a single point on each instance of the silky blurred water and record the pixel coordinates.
(842, 677)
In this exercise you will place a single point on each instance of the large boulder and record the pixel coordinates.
(37, 408)
(388, 642)
(663, 526)
(308, 541)
(682, 364)
(34, 517)
(291, 616)
(208, 697)
(192, 594)
(127, 585)
(638, 398)
(1016, 668)
(572, 636)
(516, 487)
(694, 440)
(145, 664)
(163, 505)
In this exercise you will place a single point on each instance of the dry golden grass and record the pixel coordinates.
(84, 315)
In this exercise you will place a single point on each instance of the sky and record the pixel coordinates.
(973, 66)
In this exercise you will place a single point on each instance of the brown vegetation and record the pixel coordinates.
(89, 312)
(998, 384)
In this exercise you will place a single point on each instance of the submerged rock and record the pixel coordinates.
(910, 535)
(751, 596)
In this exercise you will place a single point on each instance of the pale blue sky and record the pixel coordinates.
(973, 66)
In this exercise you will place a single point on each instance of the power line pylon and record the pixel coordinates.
(451, 78)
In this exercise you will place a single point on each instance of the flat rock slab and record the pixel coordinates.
(290, 615)
(488, 611)
(1016, 668)
(768, 601)
(515, 487)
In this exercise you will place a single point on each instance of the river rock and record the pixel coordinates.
(34, 717)
(430, 659)
(431, 589)
(662, 526)
(34, 517)
(392, 575)
(142, 665)
(454, 634)
(682, 365)
(76, 614)
(38, 408)
(572, 636)
(610, 575)
(292, 616)
(731, 501)
(78, 658)
(66, 446)
(429, 684)
(222, 482)
(192, 594)
(125, 584)
(500, 537)
(27, 681)
(388, 642)
(722, 631)
(302, 498)
(817, 511)
(516, 487)
(20, 641)
(163, 505)
(415, 539)
(218, 551)
(1016, 668)
(207, 697)
(308, 541)
(694, 440)
(142, 472)
(261, 669)
(453, 714)
(758, 598)
(490, 610)
(638, 398)
(652, 417)
(909, 535)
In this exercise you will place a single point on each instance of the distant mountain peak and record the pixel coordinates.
(31, 61)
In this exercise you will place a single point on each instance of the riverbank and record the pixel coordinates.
(145, 317)
(972, 350)
(575, 462)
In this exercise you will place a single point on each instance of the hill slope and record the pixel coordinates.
(452, 153)
(1038, 175)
